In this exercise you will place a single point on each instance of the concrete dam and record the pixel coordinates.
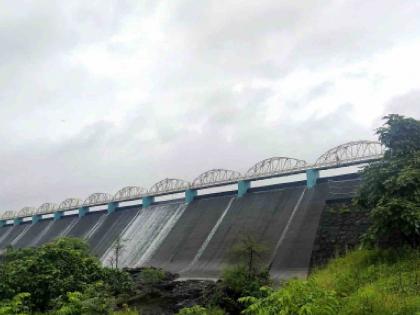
(194, 238)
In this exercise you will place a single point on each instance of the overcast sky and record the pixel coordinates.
(97, 95)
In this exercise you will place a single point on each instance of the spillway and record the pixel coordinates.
(147, 231)
(110, 229)
(195, 240)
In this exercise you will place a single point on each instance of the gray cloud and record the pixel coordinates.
(95, 97)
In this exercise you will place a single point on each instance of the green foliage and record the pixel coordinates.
(150, 275)
(49, 271)
(296, 297)
(118, 282)
(245, 277)
(199, 310)
(19, 305)
(95, 300)
(237, 281)
(376, 282)
(390, 188)
(53, 270)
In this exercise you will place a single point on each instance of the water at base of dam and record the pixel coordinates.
(195, 240)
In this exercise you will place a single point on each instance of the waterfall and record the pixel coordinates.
(143, 231)
(162, 235)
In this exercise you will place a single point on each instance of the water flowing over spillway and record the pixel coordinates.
(195, 240)
(146, 233)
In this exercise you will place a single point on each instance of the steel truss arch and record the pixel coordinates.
(26, 212)
(70, 203)
(97, 198)
(168, 185)
(351, 152)
(276, 165)
(7, 215)
(129, 192)
(47, 207)
(216, 176)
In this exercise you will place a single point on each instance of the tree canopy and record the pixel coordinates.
(390, 188)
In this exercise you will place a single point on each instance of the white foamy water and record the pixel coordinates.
(69, 227)
(146, 232)
(209, 237)
(286, 228)
(101, 220)
(162, 235)
(41, 235)
(5, 235)
(21, 234)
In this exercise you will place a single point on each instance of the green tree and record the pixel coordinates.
(390, 188)
(52, 270)
(245, 277)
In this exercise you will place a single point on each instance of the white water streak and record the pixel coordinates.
(5, 235)
(41, 235)
(142, 232)
(69, 227)
(108, 253)
(98, 223)
(209, 237)
(162, 235)
(286, 228)
(21, 234)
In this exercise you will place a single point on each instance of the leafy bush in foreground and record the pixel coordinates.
(48, 274)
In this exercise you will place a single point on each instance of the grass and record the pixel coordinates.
(378, 282)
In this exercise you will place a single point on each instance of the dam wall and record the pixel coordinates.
(196, 239)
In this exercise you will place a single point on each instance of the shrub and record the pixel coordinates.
(18, 305)
(296, 297)
(150, 275)
(199, 310)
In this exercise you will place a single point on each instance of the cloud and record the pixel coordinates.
(406, 104)
(96, 96)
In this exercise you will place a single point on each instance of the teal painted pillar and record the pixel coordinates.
(58, 215)
(190, 195)
(36, 218)
(243, 187)
(112, 206)
(311, 178)
(17, 221)
(83, 211)
(2, 223)
(147, 201)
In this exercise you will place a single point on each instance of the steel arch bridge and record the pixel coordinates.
(128, 193)
(169, 185)
(47, 207)
(97, 199)
(216, 177)
(70, 203)
(26, 211)
(276, 165)
(7, 215)
(347, 154)
(351, 153)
